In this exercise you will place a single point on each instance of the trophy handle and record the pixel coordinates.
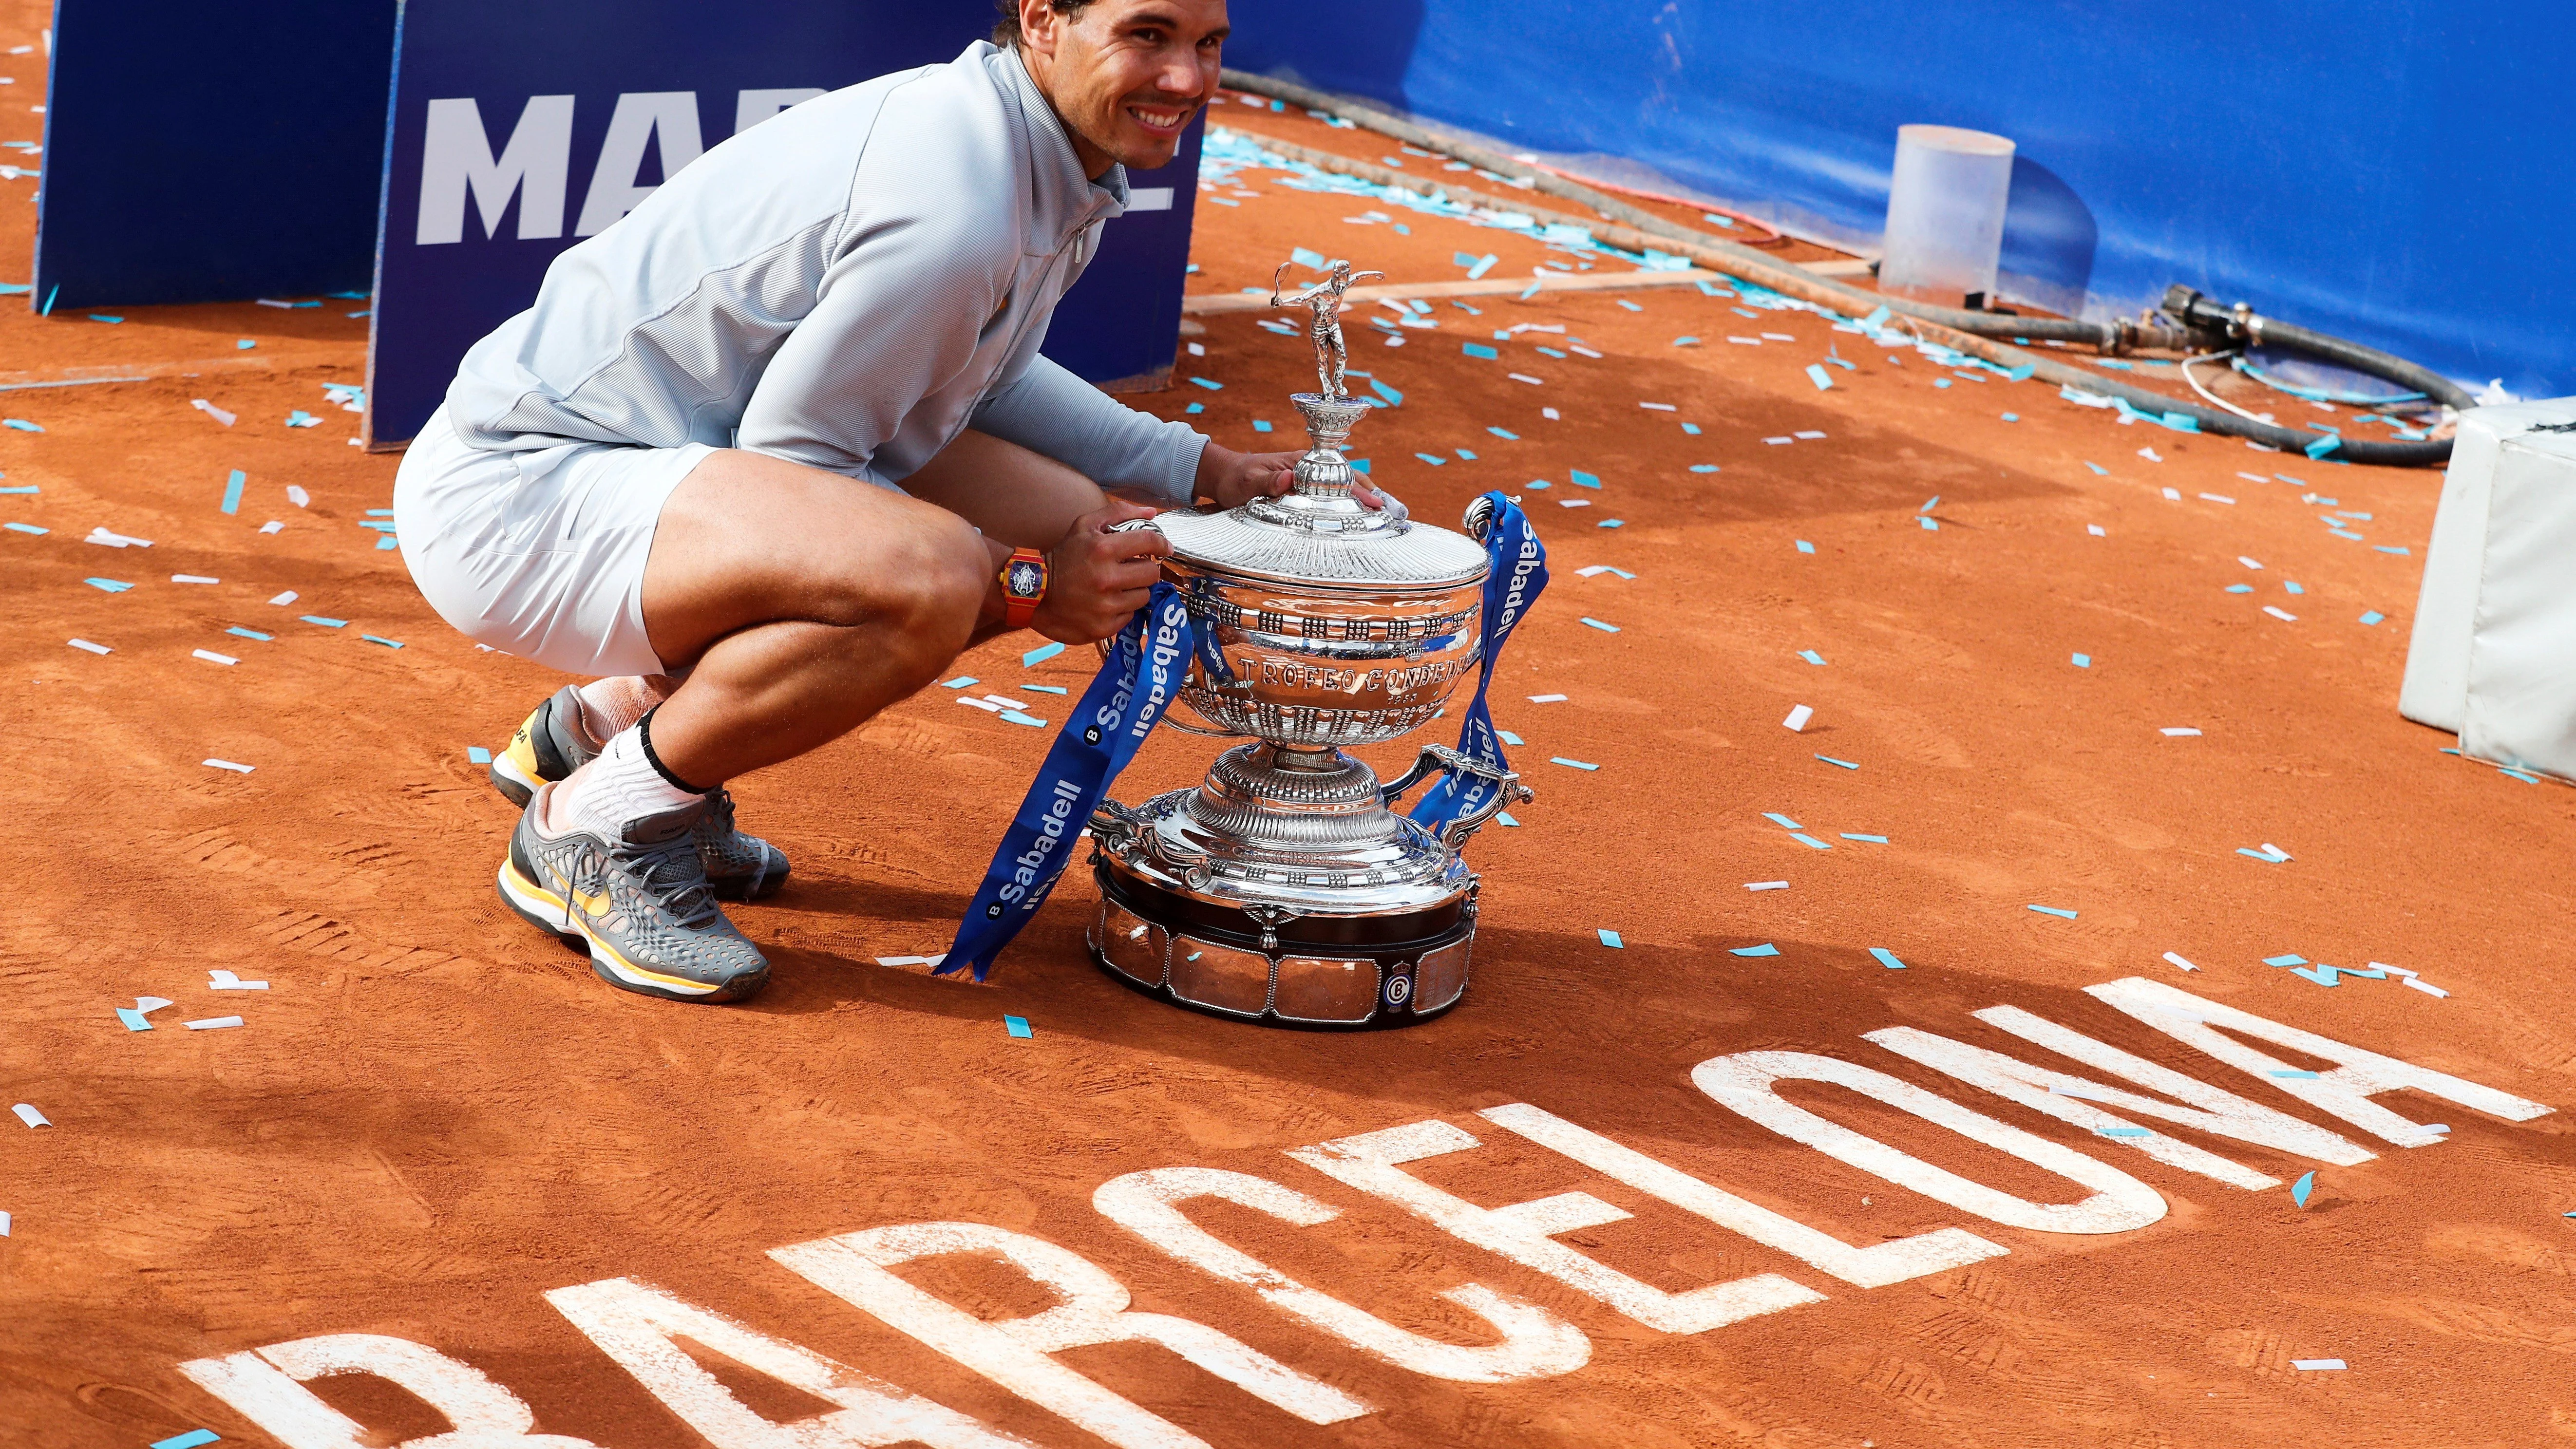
(1509, 791)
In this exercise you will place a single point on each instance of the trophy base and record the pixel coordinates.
(1313, 971)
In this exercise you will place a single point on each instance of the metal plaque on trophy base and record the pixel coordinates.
(1284, 889)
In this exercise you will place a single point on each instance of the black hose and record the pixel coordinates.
(1735, 259)
(2260, 331)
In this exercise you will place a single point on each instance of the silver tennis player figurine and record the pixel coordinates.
(1324, 327)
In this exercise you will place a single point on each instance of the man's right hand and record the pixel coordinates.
(1097, 579)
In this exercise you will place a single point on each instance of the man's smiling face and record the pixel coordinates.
(1126, 75)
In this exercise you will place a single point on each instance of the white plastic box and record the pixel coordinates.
(2493, 657)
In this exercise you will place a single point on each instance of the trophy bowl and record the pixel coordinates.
(1283, 888)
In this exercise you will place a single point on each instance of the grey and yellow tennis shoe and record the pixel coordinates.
(641, 903)
(551, 744)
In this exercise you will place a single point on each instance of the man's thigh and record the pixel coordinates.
(1022, 498)
(748, 539)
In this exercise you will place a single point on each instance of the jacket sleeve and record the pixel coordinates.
(1047, 409)
(895, 319)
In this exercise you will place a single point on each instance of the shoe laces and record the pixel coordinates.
(671, 866)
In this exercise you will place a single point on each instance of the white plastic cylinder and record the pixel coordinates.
(1945, 214)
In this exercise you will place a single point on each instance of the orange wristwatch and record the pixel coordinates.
(1024, 586)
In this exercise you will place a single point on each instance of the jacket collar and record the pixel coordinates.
(1055, 170)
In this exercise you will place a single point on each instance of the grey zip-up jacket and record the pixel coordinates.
(848, 285)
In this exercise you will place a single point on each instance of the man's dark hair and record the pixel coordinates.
(1007, 32)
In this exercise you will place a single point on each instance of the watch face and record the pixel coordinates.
(1024, 579)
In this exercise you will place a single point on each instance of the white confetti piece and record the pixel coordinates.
(272, 526)
(985, 705)
(2427, 987)
(229, 765)
(2277, 612)
(2150, 455)
(84, 644)
(285, 598)
(1766, 885)
(296, 495)
(2178, 730)
(212, 411)
(214, 1023)
(227, 981)
(211, 657)
(1546, 698)
(29, 1115)
(2178, 961)
(1798, 718)
(193, 579)
(2096, 530)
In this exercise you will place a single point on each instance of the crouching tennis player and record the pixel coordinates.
(767, 454)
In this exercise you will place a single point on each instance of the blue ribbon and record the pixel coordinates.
(1516, 576)
(1125, 700)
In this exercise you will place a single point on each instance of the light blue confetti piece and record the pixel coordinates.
(1940, 382)
(2115, 366)
(1686, 342)
(1540, 483)
(1483, 265)
(1478, 349)
(1611, 940)
(1529, 291)
(379, 639)
(1876, 319)
(1844, 764)
(1043, 688)
(1803, 838)
(1872, 839)
(21, 424)
(1811, 656)
(1765, 949)
(2323, 975)
(189, 1440)
(1611, 523)
(1745, 312)
(2348, 533)
(388, 541)
(1604, 628)
(1040, 655)
(2240, 588)
(1805, 547)
(1261, 425)
(2098, 470)
(22, 488)
(2322, 446)
(1816, 374)
(1783, 821)
(1464, 456)
(1929, 526)
(1017, 1026)
(2122, 1132)
(1195, 408)
(1463, 307)
(2012, 417)
(1581, 479)
(1393, 398)
(1552, 352)
(1359, 465)
(239, 632)
(1506, 434)
(1930, 503)
(1402, 230)
(112, 586)
(25, 528)
(245, 345)
(325, 623)
(477, 755)
(378, 524)
(133, 1019)
(2018, 374)
(1571, 764)
(960, 682)
(1631, 306)
(96, 317)
(1704, 467)
(2386, 548)
(1691, 428)
(2307, 1184)
(233, 490)
(2373, 617)
(1505, 816)
(1017, 718)
(1205, 383)
(1886, 957)
(2285, 960)
(1308, 257)
(2293, 482)
(1434, 459)
(2083, 661)
(1507, 737)
(2058, 911)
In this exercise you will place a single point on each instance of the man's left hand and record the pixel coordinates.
(1232, 478)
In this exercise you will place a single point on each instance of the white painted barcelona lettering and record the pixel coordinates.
(267, 1387)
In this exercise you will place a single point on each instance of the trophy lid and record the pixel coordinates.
(1317, 533)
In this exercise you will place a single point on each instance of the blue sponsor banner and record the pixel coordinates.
(538, 125)
(201, 153)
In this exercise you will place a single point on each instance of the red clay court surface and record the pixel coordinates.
(433, 1117)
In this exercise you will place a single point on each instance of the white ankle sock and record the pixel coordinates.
(620, 785)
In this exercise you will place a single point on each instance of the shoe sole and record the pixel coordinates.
(546, 911)
(516, 775)
(515, 784)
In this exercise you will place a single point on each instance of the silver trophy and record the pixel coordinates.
(1284, 889)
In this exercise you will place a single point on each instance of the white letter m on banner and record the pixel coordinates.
(457, 155)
